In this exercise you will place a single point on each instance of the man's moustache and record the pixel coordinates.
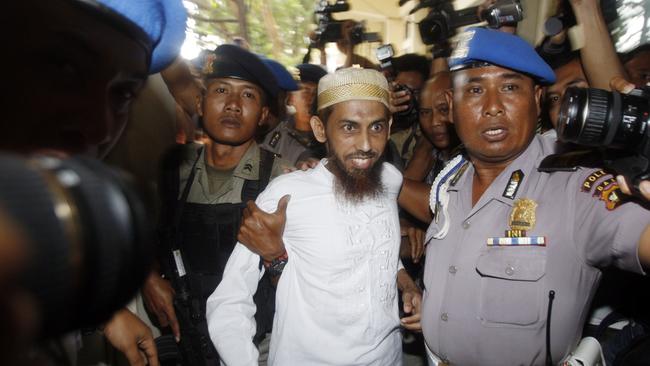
(362, 155)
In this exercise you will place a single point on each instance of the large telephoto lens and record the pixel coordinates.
(596, 117)
(90, 241)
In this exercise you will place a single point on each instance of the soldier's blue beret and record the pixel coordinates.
(479, 47)
(232, 61)
(311, 73)
(161, 22)
(282, 75)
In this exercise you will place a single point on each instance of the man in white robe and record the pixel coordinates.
(336, 301)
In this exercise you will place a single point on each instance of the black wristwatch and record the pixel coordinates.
(276, 266)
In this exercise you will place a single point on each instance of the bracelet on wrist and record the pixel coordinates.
(276, 266)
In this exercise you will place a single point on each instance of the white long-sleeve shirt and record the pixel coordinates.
(336, 301)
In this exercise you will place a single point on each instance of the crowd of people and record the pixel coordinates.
(355, 217)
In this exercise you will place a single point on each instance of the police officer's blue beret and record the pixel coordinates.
(162, 22)
(482, 47)
(232, 61)
(311, 73)
(282, 76)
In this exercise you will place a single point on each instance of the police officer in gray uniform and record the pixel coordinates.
(514, 254)
(293, 139)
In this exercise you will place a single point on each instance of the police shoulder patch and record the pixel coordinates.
(609, 192)
(589, 182)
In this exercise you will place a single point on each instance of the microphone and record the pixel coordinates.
(549, 358)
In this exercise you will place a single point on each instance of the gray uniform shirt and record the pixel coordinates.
(486, 305)
(288, 142)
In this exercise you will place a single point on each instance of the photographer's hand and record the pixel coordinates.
(158, 296)
(131, 336)
(398, 99)
(623, 86)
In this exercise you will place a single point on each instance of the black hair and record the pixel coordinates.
(325, 113)
(413, 62)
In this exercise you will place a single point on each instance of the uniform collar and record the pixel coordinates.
(249, 165)
(523, 165)
(248, 168)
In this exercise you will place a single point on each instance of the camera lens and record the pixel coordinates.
(90, 239)
(596, 117)
(504, 12)
(433, 28)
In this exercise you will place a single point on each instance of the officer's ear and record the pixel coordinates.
(318, 127)
(264, 115)
(449, 97)
(539, 91)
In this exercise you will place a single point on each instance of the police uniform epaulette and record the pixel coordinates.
(571, 161)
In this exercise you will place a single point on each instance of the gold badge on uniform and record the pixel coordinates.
(522, 217)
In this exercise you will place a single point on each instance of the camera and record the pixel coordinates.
(89, 241)
(613, 121)
(408, 117)
(331, 30)
(442, 19)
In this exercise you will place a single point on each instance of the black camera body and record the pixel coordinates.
(408, 117)
(443, 20)
(88, 235)
(617, 124)
(331, 30)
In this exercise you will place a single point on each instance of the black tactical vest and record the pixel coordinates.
(205, 235)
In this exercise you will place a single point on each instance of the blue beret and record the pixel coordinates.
(235, 62)
(482, 47)
(159, 25)
(311, 73)
(282, 76)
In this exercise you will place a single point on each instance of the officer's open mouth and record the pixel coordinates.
(495, 134)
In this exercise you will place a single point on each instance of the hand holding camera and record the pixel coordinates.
(402, 98)
(616, 123)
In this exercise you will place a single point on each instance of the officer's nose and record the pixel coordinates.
(233, 104)
(493, 105)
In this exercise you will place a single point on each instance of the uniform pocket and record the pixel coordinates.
(511, 285)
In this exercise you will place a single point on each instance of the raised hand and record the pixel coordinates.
(261, 232)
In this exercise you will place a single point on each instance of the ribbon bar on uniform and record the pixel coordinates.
(526, 240)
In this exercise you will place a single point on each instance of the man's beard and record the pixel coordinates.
(357, 185)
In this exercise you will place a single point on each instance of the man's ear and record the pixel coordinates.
(449, 97)
(318, 127)
(539, 91)
(264, 116)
